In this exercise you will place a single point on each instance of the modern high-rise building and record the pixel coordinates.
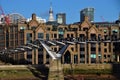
(89, 12)
(61, 18)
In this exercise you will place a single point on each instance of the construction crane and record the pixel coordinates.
(5, 18)
(102, 18)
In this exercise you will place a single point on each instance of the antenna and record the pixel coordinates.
(51, 6)
(50, 3)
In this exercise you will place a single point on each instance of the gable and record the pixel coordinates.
(86, 23)
(40, 30)
(93, 29)
(41, 27)
(33, 23)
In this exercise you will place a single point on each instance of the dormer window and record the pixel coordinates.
(105, 31)
(33, 28)
(85, 29)
(114, 30)
(22, 28)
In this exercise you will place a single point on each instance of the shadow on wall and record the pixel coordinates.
(116, 70)
(39, 71)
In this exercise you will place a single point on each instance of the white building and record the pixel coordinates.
(39, 19)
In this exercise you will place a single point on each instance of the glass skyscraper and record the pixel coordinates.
(89, 12)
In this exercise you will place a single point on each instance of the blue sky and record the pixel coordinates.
(109, 9)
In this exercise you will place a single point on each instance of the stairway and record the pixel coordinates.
(56, 70)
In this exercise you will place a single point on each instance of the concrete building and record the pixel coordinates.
(89, 12)
(61, 18)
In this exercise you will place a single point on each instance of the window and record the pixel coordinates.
(93, 49)
(68, 35)
(99, 49)
(82, 49)
(71, 35)
(93, 55)
(61, 31)
(29, 56)
(72, 49)
(48, 29)
(105, 56)
(11, 29)
(55, 49)
(47, 36)
(82, 56)
(108, 56)
(105, 31)
(105, 50)
(114, 30)
(85, 29)
(33, 28)
(93, 37)
(40, 35)
(29, 37)
(75, 58)
(99, 37)
(40, 49)
(22, 28)
(106, 37)
(55, 35)
(105, 44)
(2, 37)
(1, 30)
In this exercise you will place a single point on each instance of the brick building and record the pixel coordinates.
(97, 41)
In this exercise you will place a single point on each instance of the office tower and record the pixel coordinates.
(61, 18)
(89, 12)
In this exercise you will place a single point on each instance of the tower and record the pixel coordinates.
(118, 21)
(61, 18)
(51, 18)
(89, 12)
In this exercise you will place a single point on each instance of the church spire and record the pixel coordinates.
(51, 18)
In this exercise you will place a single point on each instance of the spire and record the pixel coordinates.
(51, 18)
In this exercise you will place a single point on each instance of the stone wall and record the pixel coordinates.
(88, 66)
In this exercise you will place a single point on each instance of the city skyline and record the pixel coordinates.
(107, 10)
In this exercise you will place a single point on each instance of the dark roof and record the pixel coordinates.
(117, 21)
(52, 23)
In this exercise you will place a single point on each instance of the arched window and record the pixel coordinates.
(67, 57)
